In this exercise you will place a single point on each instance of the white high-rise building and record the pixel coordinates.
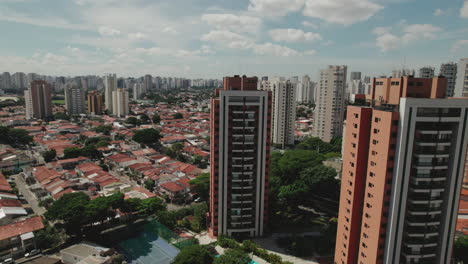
(461, 86)
(138, 90)
(74, 99)
(330, 102)
(5, 81)
(305, 90)
(355, 76)
(426, 72)
(110, 85)
(402, 72)
(449, 71)
(283, 113)
(120, 102)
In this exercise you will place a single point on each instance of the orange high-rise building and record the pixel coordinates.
(402, 172)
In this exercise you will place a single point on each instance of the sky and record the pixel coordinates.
(216, 38)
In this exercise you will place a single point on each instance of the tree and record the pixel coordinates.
(133, 121)
(70, 208)
(152, 205)
(47, 238)
(156, 119)
(104, 129)
(90, 151)
(61, 116)
(144, 119)
(49, 155)
(15, 136)
(233, 256)
(177, 116)
(72, 152)
(461, 248)
(150, 184)
(147, 136)
(195, 254)
(201, 186)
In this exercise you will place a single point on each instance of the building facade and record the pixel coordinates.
(240, 150)
(402, 173)
(449, 71)
(74, 99)
(305, 90)
(110, 85)
(38, 100)
(283, 113)
(355, 76)
(330, 102)
(148, 84)
(120, 102)
(461, 86)
(426, 72)
(95, 103)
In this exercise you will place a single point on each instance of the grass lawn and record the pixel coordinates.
(60, 102)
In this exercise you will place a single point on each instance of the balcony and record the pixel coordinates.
(421, 242)
(418, 220)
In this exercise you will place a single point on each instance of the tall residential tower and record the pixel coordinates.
(240, 155)
(38, 100)
(330, 103)
(449, 71)
(403, 165)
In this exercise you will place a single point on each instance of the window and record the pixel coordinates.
(371, 185)
(375, 142)
(371, 174)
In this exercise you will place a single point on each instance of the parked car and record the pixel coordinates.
(8, 261)
(32, 253)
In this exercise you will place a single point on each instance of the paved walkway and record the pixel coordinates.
(28, 195)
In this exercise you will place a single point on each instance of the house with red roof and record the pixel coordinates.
(18, 238)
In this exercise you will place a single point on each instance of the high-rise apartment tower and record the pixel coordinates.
(240, 154)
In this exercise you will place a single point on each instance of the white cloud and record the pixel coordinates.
(205, 49)
(293, 35)
(154, 51)
(459, 44)
(386, 40)
(464, 10)
(309, 24)
(275, 8)
(310, 52)
(108, 32)
(228, 39)
(344, 12)
(274, 50)
(137, 36)
(439, 12)
(232, 22)
(169, 30)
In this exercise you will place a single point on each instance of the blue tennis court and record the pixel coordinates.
(148, 249)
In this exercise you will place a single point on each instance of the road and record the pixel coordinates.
(28, 195)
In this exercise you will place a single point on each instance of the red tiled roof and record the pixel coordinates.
(60, 194)
(184, 181)
(22, 227)
(42, 174)
(60, 162)
(10, 203)
(4, 185)
(172, 187)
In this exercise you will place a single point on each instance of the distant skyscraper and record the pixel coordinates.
(305, 90)
(95, 103)
(330, 99)
(74, 99)
(110, 85)
(148, 84)
(138, 90)
(120, 102)
(19, 80)
(449, 71)
(38, 100)
(355, 76)
(283, 112)
(461, 86)
(426, 72)
(240, 150)
(6, 81)
(403, 72)
(403, 163)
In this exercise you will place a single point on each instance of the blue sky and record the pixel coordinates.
(212, 39)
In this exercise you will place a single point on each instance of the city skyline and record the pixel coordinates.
(210, 39)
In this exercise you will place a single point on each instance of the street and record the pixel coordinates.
(28, 195)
